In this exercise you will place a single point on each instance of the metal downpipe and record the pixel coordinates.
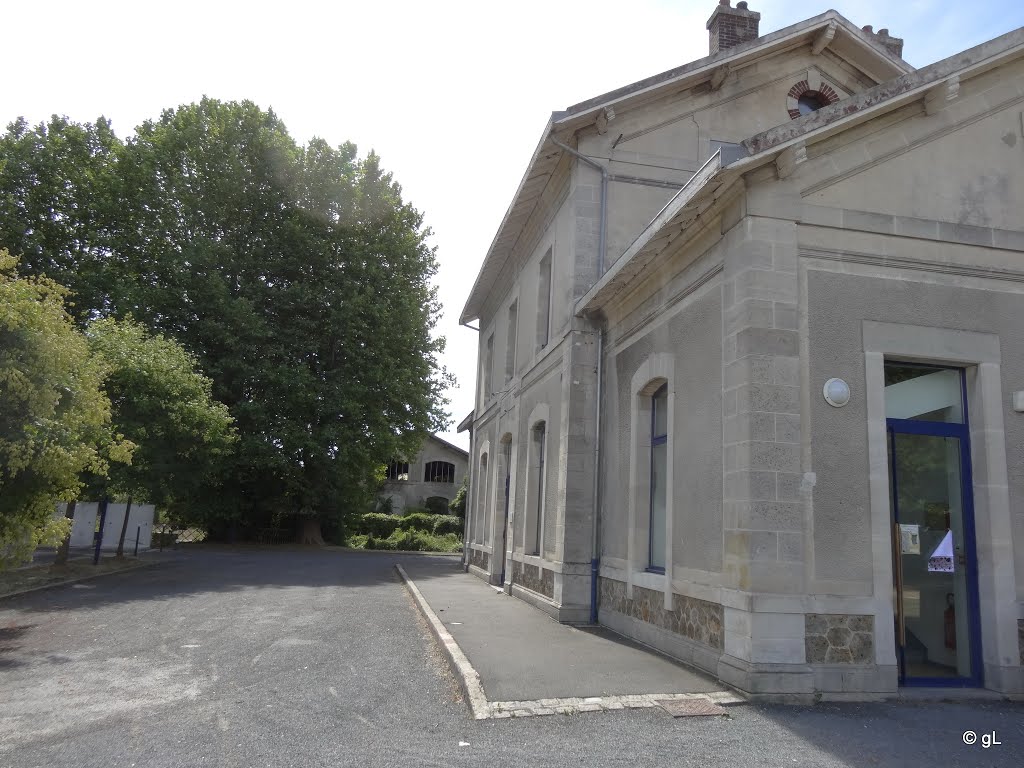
(595, 559)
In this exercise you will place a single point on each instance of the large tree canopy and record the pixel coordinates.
(296, 275)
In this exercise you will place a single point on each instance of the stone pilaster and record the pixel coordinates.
(764, 512)
(575, 497)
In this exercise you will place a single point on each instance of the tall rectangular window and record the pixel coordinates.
(659, 477)
(544, 302)
(539, 433)
(513, 340)
(488, 366)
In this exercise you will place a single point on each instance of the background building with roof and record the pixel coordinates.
(435, 473)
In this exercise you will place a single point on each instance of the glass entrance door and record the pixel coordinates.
(934, 567)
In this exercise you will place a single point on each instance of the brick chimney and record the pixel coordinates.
(729, 27)
(892, 44)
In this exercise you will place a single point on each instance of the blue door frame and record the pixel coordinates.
(961, 432)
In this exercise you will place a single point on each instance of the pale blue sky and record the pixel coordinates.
(452, 94)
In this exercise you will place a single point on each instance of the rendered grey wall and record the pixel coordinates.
(695, 336)
(837, 306)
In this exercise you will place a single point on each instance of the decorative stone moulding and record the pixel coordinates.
(824, 93)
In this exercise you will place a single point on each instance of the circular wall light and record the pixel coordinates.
(837, 392)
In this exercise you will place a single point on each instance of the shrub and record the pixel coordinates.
(378, 524)
(383, 504)
(419, 521)
(358, 541)
(421, 541)
(458, 505)
(447, 524)
(414, 511)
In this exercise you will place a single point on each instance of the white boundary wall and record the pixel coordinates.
(140, 523)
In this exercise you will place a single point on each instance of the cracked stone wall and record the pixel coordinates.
(534, 578)
(478, 558)
(839, 638)
(691, 618)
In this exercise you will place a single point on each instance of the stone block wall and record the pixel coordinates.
(694, 619)
(479, 559)
(839, 639)
(534, 578)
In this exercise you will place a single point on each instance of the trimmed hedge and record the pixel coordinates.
(416, 541)
(419, 521)
(378, 524)
(447, 524)
(387, 531)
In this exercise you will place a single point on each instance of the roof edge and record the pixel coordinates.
(842, 115)
(445, 443)
(715, 60)
(470, 311)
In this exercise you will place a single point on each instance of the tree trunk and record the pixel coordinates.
(310, 533)
(104, 502)
(124, 528)
(65, 546)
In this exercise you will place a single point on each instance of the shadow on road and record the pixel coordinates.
(205, 569)
(906, 733)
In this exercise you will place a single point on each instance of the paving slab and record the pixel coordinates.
(522, 654)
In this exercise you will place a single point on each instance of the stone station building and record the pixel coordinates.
(751, 381)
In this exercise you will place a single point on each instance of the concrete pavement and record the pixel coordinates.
(521, 654)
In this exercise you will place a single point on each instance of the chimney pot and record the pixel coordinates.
(729, 27)
(892, 44)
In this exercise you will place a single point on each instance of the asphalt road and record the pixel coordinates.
(250, 657)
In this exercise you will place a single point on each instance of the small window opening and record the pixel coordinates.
(811, 101)
(439, 472)
(397, 470)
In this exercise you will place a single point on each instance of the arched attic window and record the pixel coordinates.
(802, 99)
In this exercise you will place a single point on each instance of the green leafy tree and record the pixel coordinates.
(55, 419)
(298, 278)
(163, 405)
(61, 205)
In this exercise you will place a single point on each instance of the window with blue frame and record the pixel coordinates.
(659, 478)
